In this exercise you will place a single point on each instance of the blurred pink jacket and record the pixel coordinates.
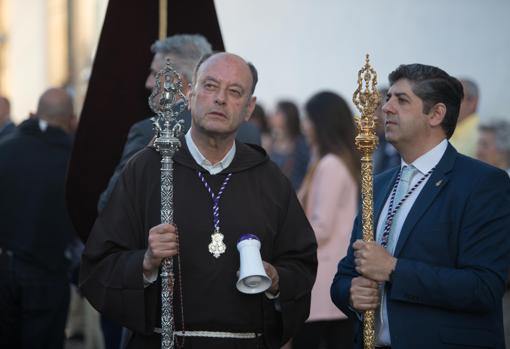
(331, 205)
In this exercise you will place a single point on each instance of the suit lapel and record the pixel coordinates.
(438, 180)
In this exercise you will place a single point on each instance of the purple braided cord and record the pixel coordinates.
(216, 198)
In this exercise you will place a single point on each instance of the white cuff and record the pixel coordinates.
(148, 280)
(271, 296)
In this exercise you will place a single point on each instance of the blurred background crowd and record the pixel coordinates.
(309, 135)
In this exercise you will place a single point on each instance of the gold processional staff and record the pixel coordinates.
(367, 99)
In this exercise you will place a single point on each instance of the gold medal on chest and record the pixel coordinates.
(217, 247)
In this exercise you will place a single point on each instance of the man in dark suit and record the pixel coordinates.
(36, 231)
(436, 273)
(184, 51)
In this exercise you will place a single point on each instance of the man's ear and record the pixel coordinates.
(186, 86)
(189, 94)
(437, 114)
(250, 108)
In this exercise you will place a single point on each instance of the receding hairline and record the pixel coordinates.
(217, 55)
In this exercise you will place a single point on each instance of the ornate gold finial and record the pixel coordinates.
(367, 99)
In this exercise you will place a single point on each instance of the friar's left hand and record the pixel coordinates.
(275, 279)
(373, 261)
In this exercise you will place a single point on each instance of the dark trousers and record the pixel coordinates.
(33, 306)
(112, 333)
(336, 334)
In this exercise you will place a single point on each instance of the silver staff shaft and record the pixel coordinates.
(167, 275)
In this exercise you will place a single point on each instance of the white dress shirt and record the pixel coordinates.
(203, 162)
(43, 125)
(423, 164)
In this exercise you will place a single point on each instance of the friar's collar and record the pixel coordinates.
(247, 156)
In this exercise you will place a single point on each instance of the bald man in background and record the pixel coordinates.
(35, 231)
(6, 125)
(465, 137)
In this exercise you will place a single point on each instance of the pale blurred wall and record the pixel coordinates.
(46, 43)
(302, 46)
(3, 43)
(25, 58)
(299, 46)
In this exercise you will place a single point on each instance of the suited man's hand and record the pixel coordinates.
(364, 294)
(373, 261)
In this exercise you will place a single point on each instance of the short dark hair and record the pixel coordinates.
(433, 85)
(253, 70)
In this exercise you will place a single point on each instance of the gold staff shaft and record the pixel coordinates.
(368, 235)
(366, 98)
(163, 20)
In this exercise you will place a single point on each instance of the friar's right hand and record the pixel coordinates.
(163, 242)
(364, 294)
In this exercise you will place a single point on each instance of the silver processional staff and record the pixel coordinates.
(168, 101)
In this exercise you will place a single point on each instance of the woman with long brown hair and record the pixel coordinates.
(289, 149)
(329, 196)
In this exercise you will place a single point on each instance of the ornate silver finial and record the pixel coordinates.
(168, 101)
(170, 94)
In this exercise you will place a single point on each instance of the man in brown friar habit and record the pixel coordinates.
(220, 185)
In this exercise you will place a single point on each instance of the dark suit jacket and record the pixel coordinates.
(141, 133)
(6, 129)
(453, 256)
(35, 225)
